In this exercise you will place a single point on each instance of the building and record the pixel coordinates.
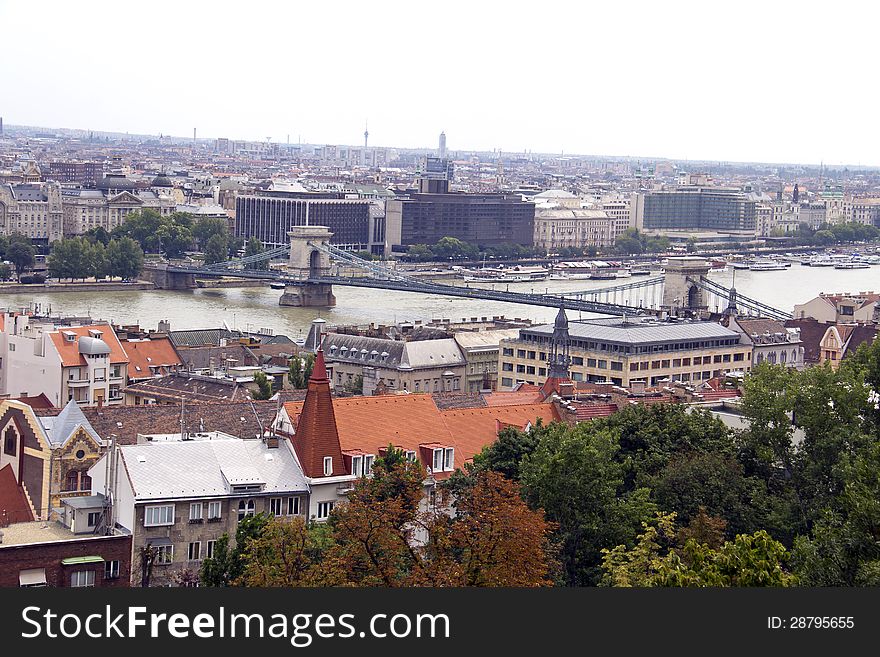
(337, 440)
(841, 340)
(48, 452)
(150, 357)
(414, 366)
(843, 307)
(480, 349)
(270, 215)
(86, 174)
(625, 351)
(865, 211)
(563, 228)
(770, 341)
(620, 212)
(83, 363)
(107, 206)
(481, 219)
(34, 210)
(40, 553)
(696, 208)
(178, 497)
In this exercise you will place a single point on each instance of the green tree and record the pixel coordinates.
(174, 238)
(264, 386)
(216, 249)
(22, 256)
(97, 234)
(295, 373)
(96, 256)
(575, 477)
(71, 258)
(5, 271)
(226, 566)
(142, 226)
(749, 560)
(307, 369)
(255, 247)
(208, 227)
(125, 259)
(355, 386)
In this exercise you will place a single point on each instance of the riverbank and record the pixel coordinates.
(44, 288)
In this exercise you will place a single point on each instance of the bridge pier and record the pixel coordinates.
(163, 279)
(679, 292)
(308, 294)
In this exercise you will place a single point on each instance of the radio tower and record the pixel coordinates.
(366, 135)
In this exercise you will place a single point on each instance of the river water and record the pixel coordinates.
(255, 308)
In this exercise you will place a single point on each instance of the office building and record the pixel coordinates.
(696, 208)
(625, 351)
(86, 174)
(32, 209)
(270, 215)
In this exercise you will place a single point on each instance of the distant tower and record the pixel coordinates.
(443, 145)
(559, 360)
(795, 195)
(366, 136)
(1, 126)
(194, 137)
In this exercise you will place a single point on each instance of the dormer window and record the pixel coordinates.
(95, 333)
(411, 456)
(449, 459)
(437, 465)
(368, 465)
(357, 463)
(328, 466)
(69, 336)
(444, 459)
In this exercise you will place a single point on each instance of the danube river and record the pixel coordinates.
(255, 308)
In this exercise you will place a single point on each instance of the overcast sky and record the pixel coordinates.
(730, 81)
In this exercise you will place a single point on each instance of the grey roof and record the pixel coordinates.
(92, 346)
(638, 330)
(84, 501)
(59, 428)
(484, 340)
(347, 345)
(208, 468)
(432, 353)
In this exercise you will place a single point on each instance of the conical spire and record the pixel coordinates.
(316, 436)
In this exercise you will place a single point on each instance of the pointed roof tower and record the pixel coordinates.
(316, 436)
(558, 359)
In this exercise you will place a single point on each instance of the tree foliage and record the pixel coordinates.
(264, 386)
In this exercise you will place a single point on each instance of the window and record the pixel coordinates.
(111, 570)
(577, 360)
(507, 367)
(246, 508)
(195, 551)
(209, 549)
(449, 459)
(368, 465)
(520, 369)
(155, 516)
(82, 578)
(507, 382)
(507, 352)
(93, 518)
(213, 510)
(738, 357)
(324, 509)
(520, 353)
(275, 506)
(356, 465)
(195, 511)
(437, 465)
(164, 555)
(293, 506)
(328, 465)
(411, 456)
(9, 441)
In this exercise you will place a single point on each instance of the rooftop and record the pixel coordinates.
(638, 330)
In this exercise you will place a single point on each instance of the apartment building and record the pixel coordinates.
(480, 349)
(84, 363)
(625, 351)
(178, 497)
(34, 210)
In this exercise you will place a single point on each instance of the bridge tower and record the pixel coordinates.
(308, 262)
(678, 291)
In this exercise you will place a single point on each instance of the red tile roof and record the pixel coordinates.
(586, 411)
(158, 353)
(69, 351)
(14, 505)
(41, 401)
(316, 435)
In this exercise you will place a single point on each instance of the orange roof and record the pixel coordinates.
(144, 354)
(514, 398)
(473, 429)
(69, 351)
(14, 505)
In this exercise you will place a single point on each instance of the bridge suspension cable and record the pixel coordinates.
(741, 300)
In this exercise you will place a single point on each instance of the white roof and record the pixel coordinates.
(171, 470)
(484, 339)
(432, 353)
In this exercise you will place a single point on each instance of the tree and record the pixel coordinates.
(507, 452)
(97, 234)
(264, 386)
(5, 271)
(295, 373)
(307, 369)
(285, 554)
(125, 259)
(748, 560)
(255, 247)
(70, 258)
(216, 249)
(208, 227)
(226, 566)
(575, 477)
(142, 226)
(22, 256)
(174, 238)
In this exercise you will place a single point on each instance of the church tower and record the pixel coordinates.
(559, 360)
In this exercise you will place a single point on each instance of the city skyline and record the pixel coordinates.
(565, 82)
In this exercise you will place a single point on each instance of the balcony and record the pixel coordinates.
(77, 383)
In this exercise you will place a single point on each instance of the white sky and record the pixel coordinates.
(772, 81)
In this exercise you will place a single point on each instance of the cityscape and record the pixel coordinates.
(236, 362)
